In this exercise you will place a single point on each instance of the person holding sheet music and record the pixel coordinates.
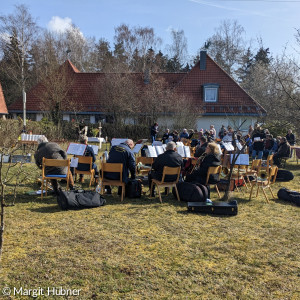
(122, 153)
(169, 158)
(88, 152)
(211, 158)
(258, 138)
(52, 151)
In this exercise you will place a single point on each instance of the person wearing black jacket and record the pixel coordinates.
(258, 138)
(122, 154)
(211, 159)
(153, 132)
(200, 149)
(290, 137)
(170, 158)
(166, 135)
(284, 150)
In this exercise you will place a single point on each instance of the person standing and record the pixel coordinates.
(258, 139)
(290, 137)
(153, 132)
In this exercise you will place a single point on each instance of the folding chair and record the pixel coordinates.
(144, 161)
(213, 171)
(112, 168)
(263, 184)
(54, 163)
(88, 160)
(254, 170)
(164, 184)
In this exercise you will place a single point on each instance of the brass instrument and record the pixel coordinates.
(198, 162)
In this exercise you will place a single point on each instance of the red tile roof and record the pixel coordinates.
(232, 98)
(3, 108)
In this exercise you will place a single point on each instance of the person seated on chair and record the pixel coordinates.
(212, 158)
(170, 158)
(51, 150)
(284, 150)
(184, 134)
(88, 152)
(166, 135)
(200, 149)
(123, 154)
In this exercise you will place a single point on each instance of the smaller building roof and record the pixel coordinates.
(3, 107)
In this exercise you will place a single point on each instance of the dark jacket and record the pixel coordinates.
(258, 145)
(121, 154)
(199, 175)
(200, 149)
(50, 151)
(291, 139)
(170, 158)
(165, 137)
(284, 150)
(153, 130)
(88, 152)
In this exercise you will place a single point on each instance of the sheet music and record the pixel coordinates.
(238, 145)
(180, 151)
(159, 150)
(257, 139)
(157, 143)
(243, 159)
(228, 146)
(152, 151)
(227, 138)
(115, 141)
(180, 144)
(95, 148)
(137, 148)
(76, 149)
(187, 151)
(164, 147)
(74, 162)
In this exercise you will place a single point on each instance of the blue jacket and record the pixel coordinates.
(121, 154)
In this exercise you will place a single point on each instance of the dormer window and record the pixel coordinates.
(210, 92)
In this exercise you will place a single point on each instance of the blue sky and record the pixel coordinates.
(274, 21)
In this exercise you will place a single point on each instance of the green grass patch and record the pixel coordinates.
(141, 249)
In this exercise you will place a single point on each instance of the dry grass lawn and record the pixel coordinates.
(141, 249)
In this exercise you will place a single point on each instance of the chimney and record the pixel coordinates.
(146, 76)
(202, 60)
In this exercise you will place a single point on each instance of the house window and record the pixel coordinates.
(210, 92)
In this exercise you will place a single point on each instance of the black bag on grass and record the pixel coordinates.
(191, 192)
(284, 176)
(79, 199)
(214, 208)
(289, 195)
(133, 188)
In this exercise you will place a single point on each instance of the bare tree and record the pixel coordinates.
(136, 42)
(178, 49)
(227, 45)
(22, 28)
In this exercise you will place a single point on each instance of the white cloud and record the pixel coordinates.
(59, 24)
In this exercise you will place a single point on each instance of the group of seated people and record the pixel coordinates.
(260, 143)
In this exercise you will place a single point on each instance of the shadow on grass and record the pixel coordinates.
(46, 209)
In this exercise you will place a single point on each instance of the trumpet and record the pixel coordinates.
(198, 162)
